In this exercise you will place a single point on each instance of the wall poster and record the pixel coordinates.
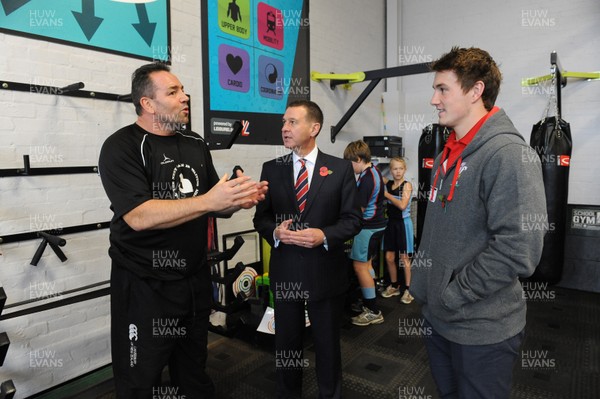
(136, 28)
(255, 60)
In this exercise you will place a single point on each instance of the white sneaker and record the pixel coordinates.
(406, 297)
(368, 317)
(390, 292)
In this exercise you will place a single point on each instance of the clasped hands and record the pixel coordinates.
(307, 238)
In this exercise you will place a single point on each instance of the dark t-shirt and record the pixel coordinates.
(137, 166)
(370, 196)
(393, 212)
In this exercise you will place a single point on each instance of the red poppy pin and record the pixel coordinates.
(324, 171)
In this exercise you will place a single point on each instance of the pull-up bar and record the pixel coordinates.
(338, 78)
(560, 76)
(374, 76)
(566, 74)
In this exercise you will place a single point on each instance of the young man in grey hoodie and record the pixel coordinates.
(475, 243)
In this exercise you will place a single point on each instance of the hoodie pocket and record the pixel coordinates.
(440, 277)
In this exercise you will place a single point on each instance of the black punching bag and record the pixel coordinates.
(551, 139)
(431, 144)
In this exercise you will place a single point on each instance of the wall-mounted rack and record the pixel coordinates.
(72, 90)
(49, 235)
(55, 243)
(34, 235)
(63, 299)
(27, 170)
(7, 390)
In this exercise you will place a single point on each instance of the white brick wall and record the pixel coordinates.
(520, 35)
(51, 347)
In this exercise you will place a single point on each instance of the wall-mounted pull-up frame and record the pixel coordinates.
(560, 77)
(566, 74)
(338, 78)
(375, 76)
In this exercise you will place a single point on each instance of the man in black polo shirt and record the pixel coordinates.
(162, 184)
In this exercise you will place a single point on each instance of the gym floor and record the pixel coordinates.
(560, 357)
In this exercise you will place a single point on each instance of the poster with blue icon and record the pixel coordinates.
(255, 61)
(135, 28)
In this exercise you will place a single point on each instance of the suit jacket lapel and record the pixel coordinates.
(316, 181)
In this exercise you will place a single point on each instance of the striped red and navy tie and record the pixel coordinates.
(301, 186)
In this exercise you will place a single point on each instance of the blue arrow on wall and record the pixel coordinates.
(13, 5)
(145, 28)
(87, 19)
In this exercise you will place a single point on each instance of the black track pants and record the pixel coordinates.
(155, 324)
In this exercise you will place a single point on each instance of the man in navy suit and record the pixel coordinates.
(308, 267)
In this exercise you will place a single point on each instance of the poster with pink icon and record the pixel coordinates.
(255, 61)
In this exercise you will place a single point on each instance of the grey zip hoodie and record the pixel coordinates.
(474, 248)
